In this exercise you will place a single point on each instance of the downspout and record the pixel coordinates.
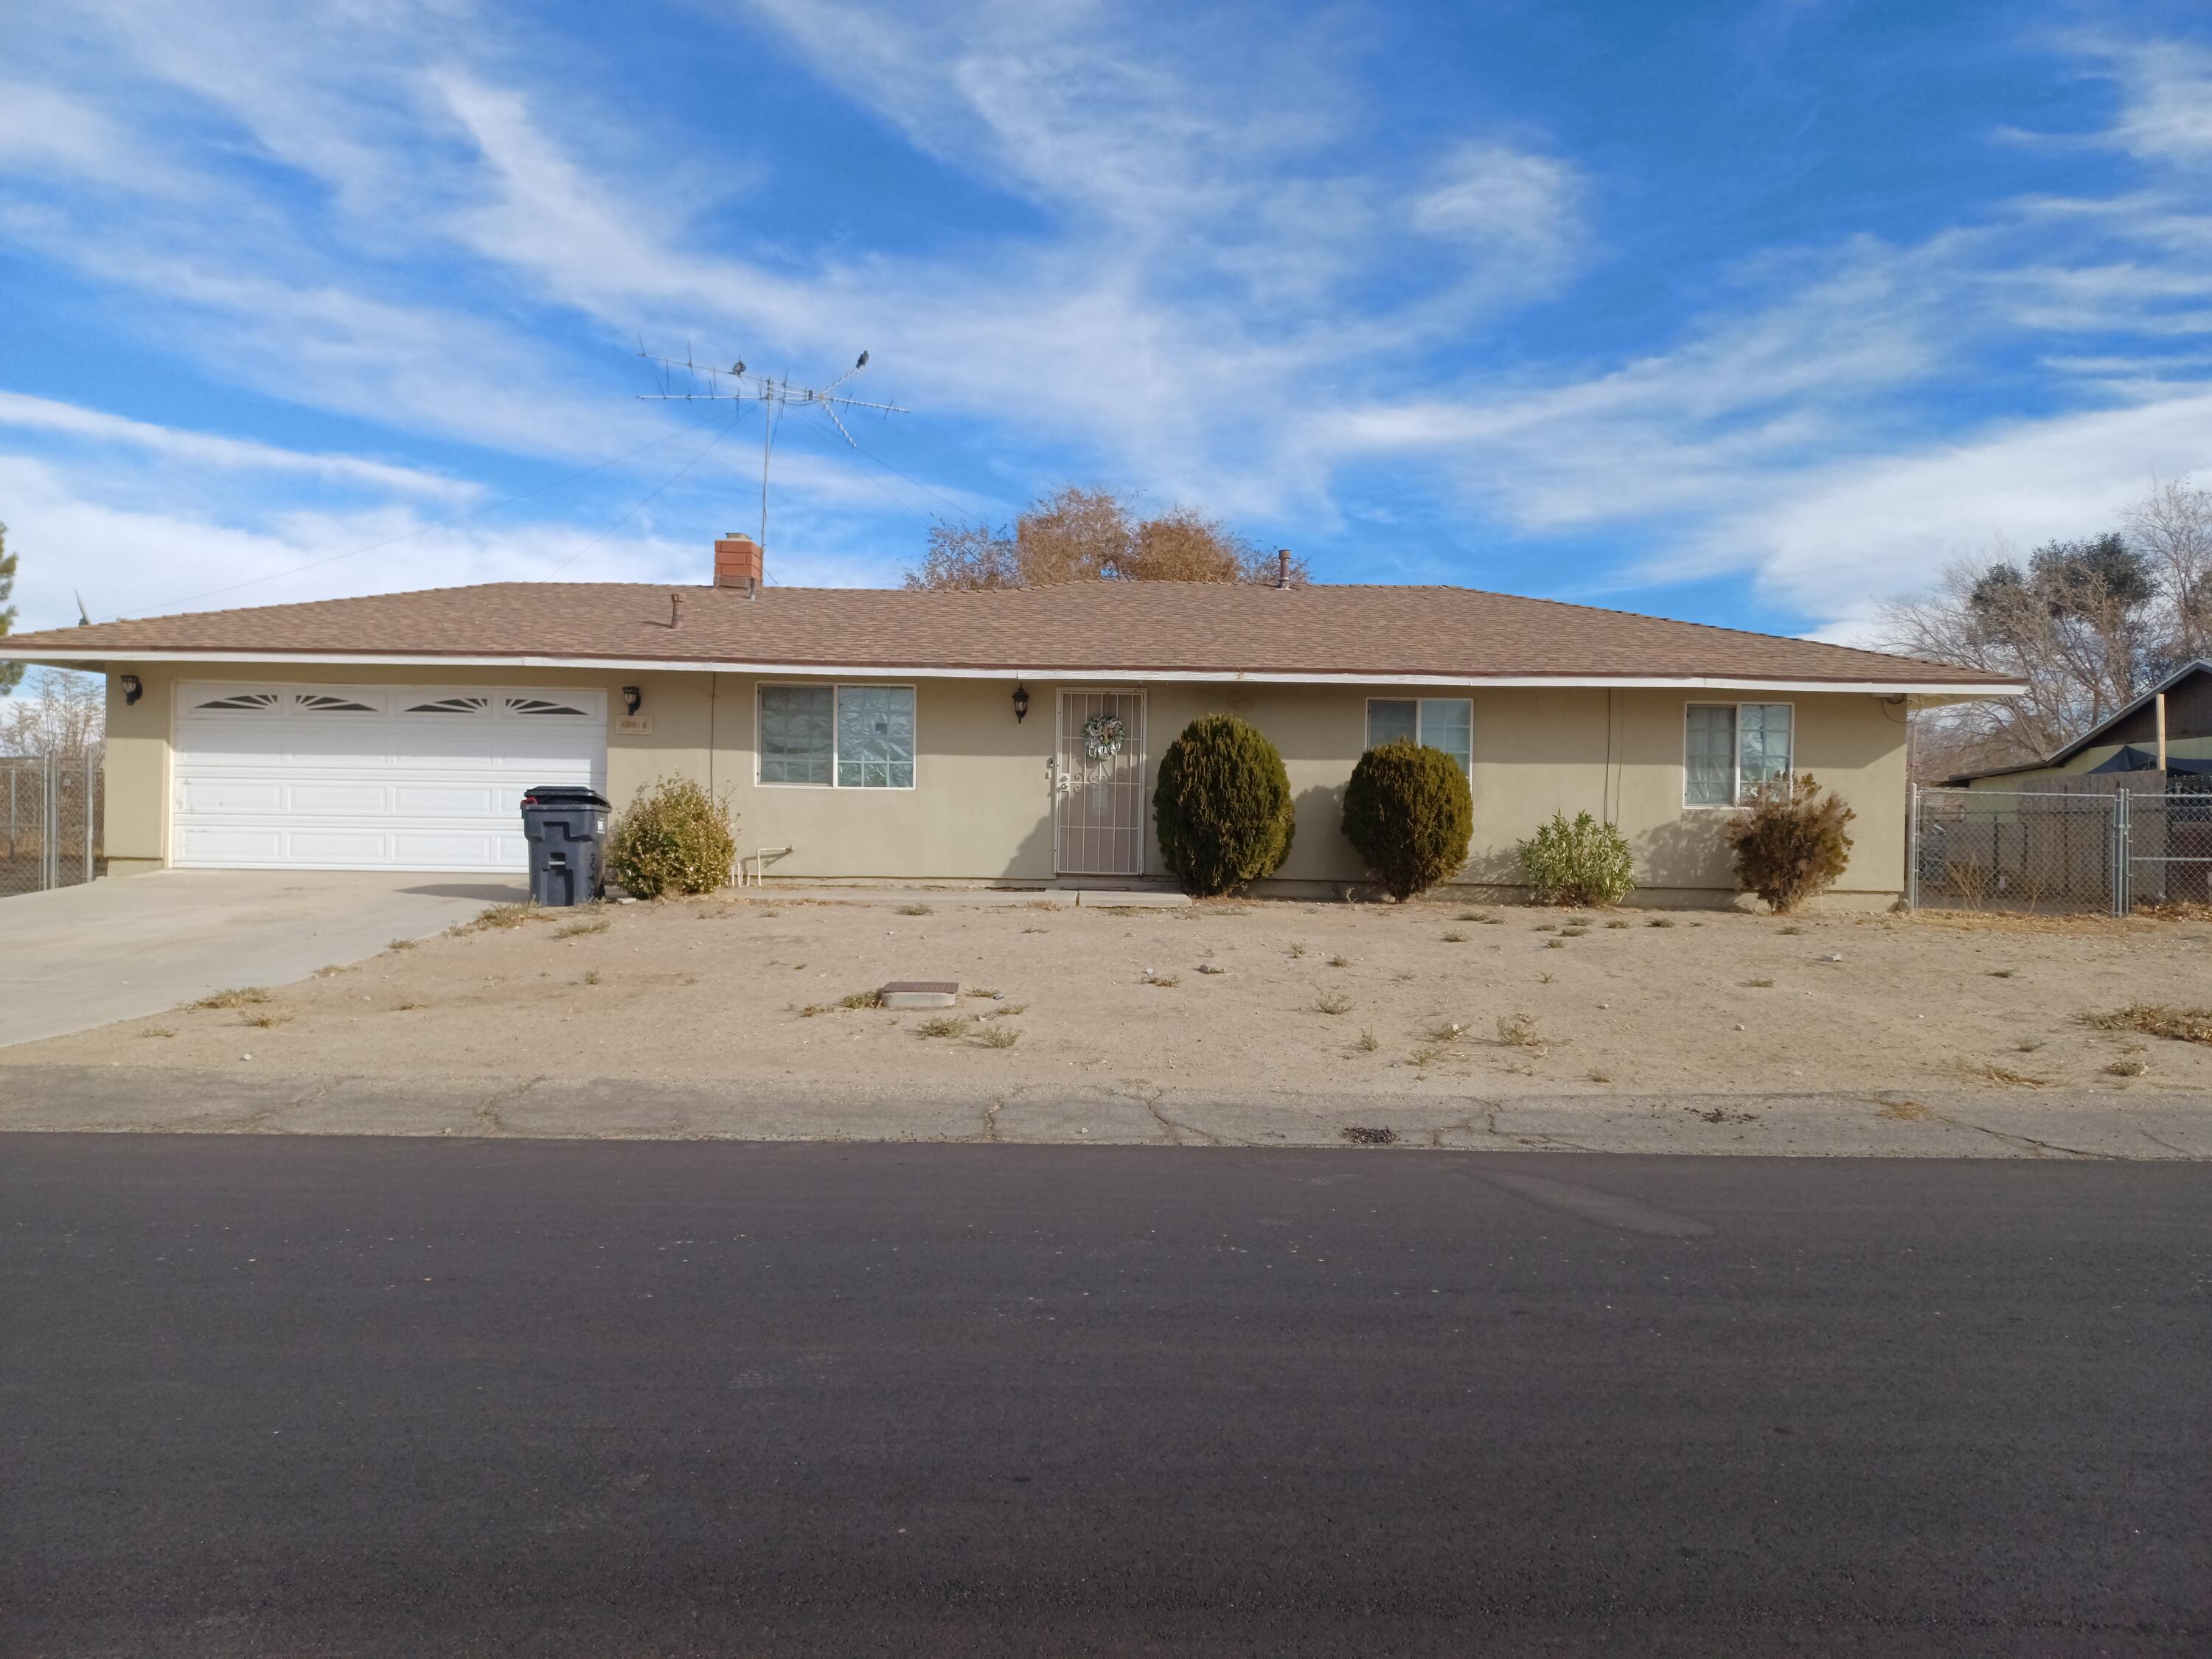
(2161, 731)
(1614, 743)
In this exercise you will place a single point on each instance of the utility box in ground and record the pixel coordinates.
(564, 824)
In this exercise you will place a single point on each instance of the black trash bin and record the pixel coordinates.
(563, 823)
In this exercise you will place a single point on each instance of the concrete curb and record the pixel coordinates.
(119, 1099)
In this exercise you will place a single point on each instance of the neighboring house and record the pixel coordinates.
(941, 736)
(2128, 742)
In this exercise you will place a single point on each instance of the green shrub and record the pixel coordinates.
(1221, 808)
(1791, 841)
(1409, 814)
(675, 838)
(1585, 862)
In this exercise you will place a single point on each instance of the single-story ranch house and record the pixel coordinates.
(888, 735)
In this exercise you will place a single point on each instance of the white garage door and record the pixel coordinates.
(372, 777)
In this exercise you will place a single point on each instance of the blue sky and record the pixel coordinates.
(1749, 312)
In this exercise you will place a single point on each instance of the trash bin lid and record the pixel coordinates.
(562, 795)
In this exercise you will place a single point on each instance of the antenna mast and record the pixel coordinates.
(775, 395)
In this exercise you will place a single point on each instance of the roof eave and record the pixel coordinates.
(93, 657)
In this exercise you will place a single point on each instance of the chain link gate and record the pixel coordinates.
(50, 819)
(2003, 849)
(2170, 843)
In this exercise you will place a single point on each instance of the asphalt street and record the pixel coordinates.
(327, 1395)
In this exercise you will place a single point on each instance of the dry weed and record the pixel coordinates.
(2167, 1020)
(1983, 1070)
(243, 996)
(498, 915)
(1519, 1031)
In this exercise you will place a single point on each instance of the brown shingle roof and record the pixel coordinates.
(1378, 633)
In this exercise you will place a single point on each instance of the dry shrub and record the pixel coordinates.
(1791, 841)
(675, 838)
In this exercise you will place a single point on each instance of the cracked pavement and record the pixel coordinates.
(1132, 1111)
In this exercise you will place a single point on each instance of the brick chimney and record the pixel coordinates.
(737, 563)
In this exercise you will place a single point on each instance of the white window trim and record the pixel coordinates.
(1735, 751)
(1367, 727)
(835, 687)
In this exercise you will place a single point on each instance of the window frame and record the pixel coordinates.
(1367, 727)
(835, 688)
(1736, 748)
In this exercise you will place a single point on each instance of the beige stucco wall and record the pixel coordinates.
(980, 808)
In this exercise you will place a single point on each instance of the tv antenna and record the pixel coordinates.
(775, 393)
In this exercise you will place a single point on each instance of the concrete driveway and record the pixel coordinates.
(81, 956)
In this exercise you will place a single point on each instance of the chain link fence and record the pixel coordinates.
(2094, 845)
(51, 808)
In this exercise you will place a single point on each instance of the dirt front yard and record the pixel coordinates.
(1350, 1001)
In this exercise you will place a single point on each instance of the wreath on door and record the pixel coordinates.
(1103, 736)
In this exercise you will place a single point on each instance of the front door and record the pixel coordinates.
(1098, 784)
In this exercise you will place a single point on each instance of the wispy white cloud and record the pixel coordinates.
(2166, 114)
(45, 415)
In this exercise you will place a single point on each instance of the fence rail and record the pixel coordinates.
(49, 822)
(2097, 845)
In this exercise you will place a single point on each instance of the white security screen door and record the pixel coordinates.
(275, 776)
(1098, 809)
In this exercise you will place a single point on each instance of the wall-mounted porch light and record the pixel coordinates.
(633, 699)
(1021, 702)
(132, 690)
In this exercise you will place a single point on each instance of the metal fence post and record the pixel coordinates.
(53, 825)
(2123, 833)
(1912, 854)
(88, 809)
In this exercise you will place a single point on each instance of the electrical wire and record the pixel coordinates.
(698, 455)
(958, 511)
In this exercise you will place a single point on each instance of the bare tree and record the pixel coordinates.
(58, 713)
(2087, 625)
(1074, 535)
(967, 555)
(2172, 525)
(1094, 534)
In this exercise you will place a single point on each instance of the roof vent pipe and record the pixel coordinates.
(1282, 567)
